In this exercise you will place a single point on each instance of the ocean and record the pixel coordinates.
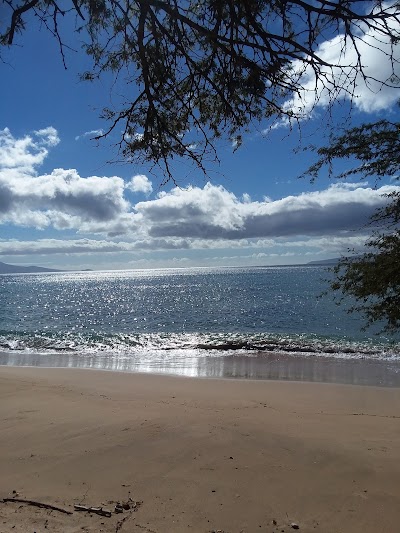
(260, 323)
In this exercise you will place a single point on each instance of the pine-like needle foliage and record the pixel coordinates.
(372, 279)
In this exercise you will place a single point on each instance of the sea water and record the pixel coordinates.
(185, 321)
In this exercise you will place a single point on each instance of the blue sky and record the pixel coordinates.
(63, 205)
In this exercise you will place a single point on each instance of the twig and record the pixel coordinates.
(96, 510)
(37, 504)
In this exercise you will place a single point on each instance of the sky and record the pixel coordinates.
(66, 203)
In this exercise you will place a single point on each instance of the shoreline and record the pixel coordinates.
(263, 366)
(202, 454)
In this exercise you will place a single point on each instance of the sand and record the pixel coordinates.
(203, 455)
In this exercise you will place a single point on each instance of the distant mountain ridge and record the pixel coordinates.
(16, 269)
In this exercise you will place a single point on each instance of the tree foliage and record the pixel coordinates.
(373, 278)
(375, 145)
(199, 70)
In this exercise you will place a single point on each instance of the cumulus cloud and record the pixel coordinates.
(63, 198)
(213, 212)
(204, 211)
(140, 183)
(375, 89)
(198, 218)
(27, 152)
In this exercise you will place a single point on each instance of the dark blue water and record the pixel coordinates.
(150, 314)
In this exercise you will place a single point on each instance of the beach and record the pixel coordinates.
(201, 455)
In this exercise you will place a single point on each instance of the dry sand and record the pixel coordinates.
(203, 455)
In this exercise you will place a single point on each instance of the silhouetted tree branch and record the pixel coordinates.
(200, 70)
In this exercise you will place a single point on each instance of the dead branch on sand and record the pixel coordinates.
(37, 504)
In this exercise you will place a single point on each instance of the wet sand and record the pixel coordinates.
(203, 455)
(257, 365)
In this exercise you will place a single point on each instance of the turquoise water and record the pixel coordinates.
(175, 314)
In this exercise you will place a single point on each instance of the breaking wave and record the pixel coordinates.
(209, 344)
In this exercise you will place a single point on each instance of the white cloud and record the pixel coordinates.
(140, 183)
(63, 192)
(196, 219)
(55, 246)
(62, 199)
(333, 245)
(214, 213)
(27, 152)
(91, 133)
(49, 136)
(201, 209)
(375, 89)
(15, 247)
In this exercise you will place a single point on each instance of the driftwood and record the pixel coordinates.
(37, 504)
(96, 510)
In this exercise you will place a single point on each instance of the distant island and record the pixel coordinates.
(16, 269)
(6, 268)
